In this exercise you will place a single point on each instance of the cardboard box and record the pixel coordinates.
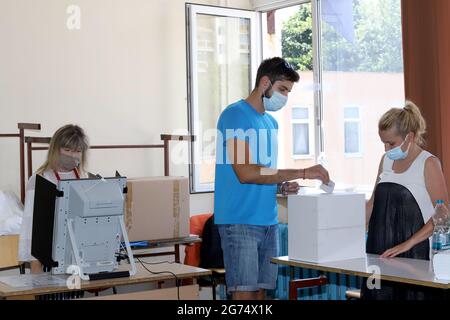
(326, 227)
(157, 208)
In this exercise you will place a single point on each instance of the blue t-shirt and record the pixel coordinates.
(235, 202)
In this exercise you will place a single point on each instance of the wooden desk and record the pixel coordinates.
(189, 292)
(411, 271)
(141, 276)
(176, 242)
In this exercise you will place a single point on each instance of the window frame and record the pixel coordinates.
(311, 132)
(317, 146)
(358, 121)
(192, 70)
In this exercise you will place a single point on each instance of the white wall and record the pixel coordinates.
(122, 77)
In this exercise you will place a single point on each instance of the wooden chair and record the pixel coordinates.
(192, 256)
(216, 278)
(294, 285)
(353, 294)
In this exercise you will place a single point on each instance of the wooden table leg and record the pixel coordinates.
(177, 253)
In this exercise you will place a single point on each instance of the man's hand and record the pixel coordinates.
(317, 172)
(289, 188)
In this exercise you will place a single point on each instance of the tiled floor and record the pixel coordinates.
(206, 293)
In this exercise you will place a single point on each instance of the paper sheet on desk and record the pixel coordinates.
(33, 281)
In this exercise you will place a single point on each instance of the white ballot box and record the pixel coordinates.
(326, 227)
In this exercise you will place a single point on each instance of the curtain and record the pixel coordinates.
(426, 50)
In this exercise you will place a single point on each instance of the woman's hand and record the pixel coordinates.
(395, 251)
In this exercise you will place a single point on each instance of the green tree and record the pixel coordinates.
(377, 44)
(379, 36)
(296, 39)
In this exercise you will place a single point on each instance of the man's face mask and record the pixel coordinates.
(275, 102)
(68, 162)
(397, 153)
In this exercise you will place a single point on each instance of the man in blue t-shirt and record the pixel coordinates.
(247, 181)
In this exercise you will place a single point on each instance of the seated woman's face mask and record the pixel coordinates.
(68, 162)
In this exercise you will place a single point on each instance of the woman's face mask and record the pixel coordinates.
(397, 153)
(69, 161)
(275, 102)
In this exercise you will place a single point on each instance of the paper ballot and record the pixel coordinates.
(328, 188)
(33, 281)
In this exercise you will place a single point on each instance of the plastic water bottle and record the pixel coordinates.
(447, 237)
(441, 223)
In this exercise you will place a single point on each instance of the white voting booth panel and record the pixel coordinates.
(326, 227)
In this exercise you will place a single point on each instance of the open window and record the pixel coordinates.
(223, 59)
(349, 57)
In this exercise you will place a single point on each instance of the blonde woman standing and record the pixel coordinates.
(409, 182)
(66, 159)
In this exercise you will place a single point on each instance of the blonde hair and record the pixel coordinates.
(406, 120)
(71, 137)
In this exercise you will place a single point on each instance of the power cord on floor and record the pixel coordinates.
(162, 272)
(121, 256)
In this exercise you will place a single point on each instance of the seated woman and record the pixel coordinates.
(66, 159)
(409, 182)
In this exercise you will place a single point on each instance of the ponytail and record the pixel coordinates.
(408, 119)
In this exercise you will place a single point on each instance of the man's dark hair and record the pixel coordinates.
(277, 69)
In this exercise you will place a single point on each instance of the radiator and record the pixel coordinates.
(337, 285)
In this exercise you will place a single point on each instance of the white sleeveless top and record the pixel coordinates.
(412, 179)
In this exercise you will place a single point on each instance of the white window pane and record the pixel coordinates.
(352, 137)
(362, 65)
(301, 138)
(300, 113)
(351, 113)
(293, 38)
(223, 75)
